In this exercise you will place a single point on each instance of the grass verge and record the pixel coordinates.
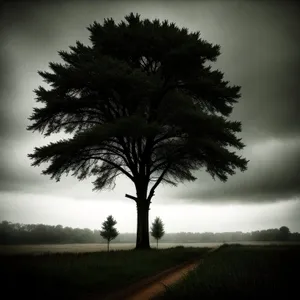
(75, 276)
(241, 272)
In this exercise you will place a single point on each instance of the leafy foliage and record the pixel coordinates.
(140, 102)
(109, 232)
(284, 233)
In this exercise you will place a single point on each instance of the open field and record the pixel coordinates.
(80, 248)
(82, 275)
(242, 272)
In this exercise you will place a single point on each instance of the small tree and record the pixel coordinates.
(109, 232)
(157, 229)
(284, 233)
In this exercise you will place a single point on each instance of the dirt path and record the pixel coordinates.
(158, 287)
(155, 285)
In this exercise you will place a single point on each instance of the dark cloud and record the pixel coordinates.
(19, 30)
(262, 55)
(273, 175)
(271, 102)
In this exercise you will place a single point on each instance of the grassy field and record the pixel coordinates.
(242, 272)
(80, 275)
(84, 248)
(61, 248)
(80, 248)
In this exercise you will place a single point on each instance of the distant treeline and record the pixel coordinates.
(16, 234)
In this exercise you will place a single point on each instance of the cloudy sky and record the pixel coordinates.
(260, 51)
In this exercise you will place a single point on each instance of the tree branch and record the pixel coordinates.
(109, 150)
(157, 166)
(126, 147)
(117, 167)
(151, 193)
(73, 122)
(131, 197)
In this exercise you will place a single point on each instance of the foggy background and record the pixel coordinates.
(259, 51)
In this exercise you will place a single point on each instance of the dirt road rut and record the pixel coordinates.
(155, 285)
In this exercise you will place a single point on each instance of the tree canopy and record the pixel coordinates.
(141, 101)
(108, 231)
(284, 233)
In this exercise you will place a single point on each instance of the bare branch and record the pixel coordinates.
(131, 197)
(151, 193)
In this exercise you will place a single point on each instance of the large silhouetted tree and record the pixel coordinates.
(142, 101)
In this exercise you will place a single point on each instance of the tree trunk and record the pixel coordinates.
(157, 243)
(108, 246)
(142, 236)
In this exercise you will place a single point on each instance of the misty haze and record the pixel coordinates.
(144, 136)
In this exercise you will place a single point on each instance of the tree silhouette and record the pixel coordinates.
(21, 234)
(157, 230)
(142, 101)
(109, 232)
(284, 233)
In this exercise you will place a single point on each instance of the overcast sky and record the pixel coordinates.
(260, 51)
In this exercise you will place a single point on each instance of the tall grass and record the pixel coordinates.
(71, 275)
(244, 272)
